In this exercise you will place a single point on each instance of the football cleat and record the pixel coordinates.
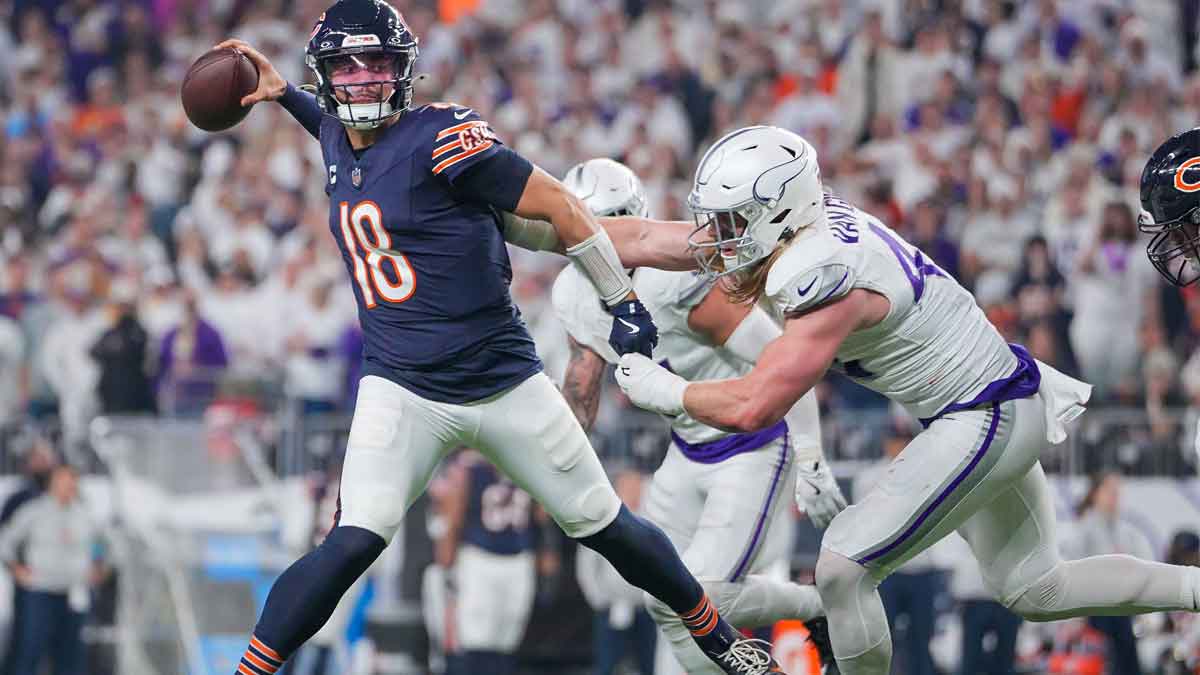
(747, 657)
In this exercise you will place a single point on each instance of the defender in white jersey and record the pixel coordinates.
(720, 497)
(852, 295)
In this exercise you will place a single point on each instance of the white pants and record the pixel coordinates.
(397, 439)
(976, 472)
(495, 597)
(731, 523)
(729, 519)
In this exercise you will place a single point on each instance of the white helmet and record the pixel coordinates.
(608, 188)
(753, 187)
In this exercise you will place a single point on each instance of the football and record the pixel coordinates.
(213, 88)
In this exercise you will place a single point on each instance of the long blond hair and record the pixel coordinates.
(746, 286)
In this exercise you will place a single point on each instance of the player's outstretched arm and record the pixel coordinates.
(643, 242)
(591, 250)
(789, 367)
(640, 242)
(744, 331)
(581, 383)
(272, 87)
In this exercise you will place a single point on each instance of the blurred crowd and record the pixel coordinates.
(150, 267)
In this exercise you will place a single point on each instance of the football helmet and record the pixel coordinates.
(608, 188)
(1170, 194)
(365, 35)
(754, 188)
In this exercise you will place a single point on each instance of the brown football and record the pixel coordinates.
(213, 88)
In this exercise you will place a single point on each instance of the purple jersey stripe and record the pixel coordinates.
(1022, 383)
(722, 449)
(912, 529)
(764, 515)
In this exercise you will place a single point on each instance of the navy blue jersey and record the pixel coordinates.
(498, 518)
(427, 259)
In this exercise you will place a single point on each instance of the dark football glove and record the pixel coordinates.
(633, 331)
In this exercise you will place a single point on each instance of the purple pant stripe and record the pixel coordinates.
(764, 515)
(941, 498)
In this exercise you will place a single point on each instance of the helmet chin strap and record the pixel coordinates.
(378, 113)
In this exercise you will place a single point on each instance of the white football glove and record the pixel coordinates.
(817, 493)
(651, 386)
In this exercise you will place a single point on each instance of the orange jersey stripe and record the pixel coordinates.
(267, 651)
(459, 127)
(447, 148)
(451, 161)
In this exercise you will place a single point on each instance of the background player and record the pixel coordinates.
(414, 196)
(718, 496)
(1170, 194)
(852, 295)
(486, 551)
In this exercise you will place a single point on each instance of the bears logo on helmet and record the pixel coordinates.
(1170, 195)
(1181, 182)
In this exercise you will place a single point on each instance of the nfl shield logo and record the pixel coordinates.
(356, 177)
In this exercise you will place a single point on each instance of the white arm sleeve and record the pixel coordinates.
(804, 426)
(532, 235)
(752, 335)
(597, 258)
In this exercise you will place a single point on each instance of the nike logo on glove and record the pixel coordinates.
(462, 115)
(633, 330)
(807, 288)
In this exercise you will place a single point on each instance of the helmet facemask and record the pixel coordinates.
(1175, 249)
(365, 87)
(722, 243)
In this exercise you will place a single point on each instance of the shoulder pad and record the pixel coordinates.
(453, 134)
(812, 272)
(577, 305)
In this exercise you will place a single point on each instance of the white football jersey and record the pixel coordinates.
(670, 298)
(934, 348)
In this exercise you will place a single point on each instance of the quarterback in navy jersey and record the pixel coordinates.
(422, 201)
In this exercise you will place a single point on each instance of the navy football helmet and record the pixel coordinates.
(363, 36)
(1170, 192)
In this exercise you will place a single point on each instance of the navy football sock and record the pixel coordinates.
(305, 595)
(644, 556)
(480, 662)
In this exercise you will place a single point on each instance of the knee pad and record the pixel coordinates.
(1042, 600)
(590, 512)
(837, 575)
(372, 495)
(379, 511)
